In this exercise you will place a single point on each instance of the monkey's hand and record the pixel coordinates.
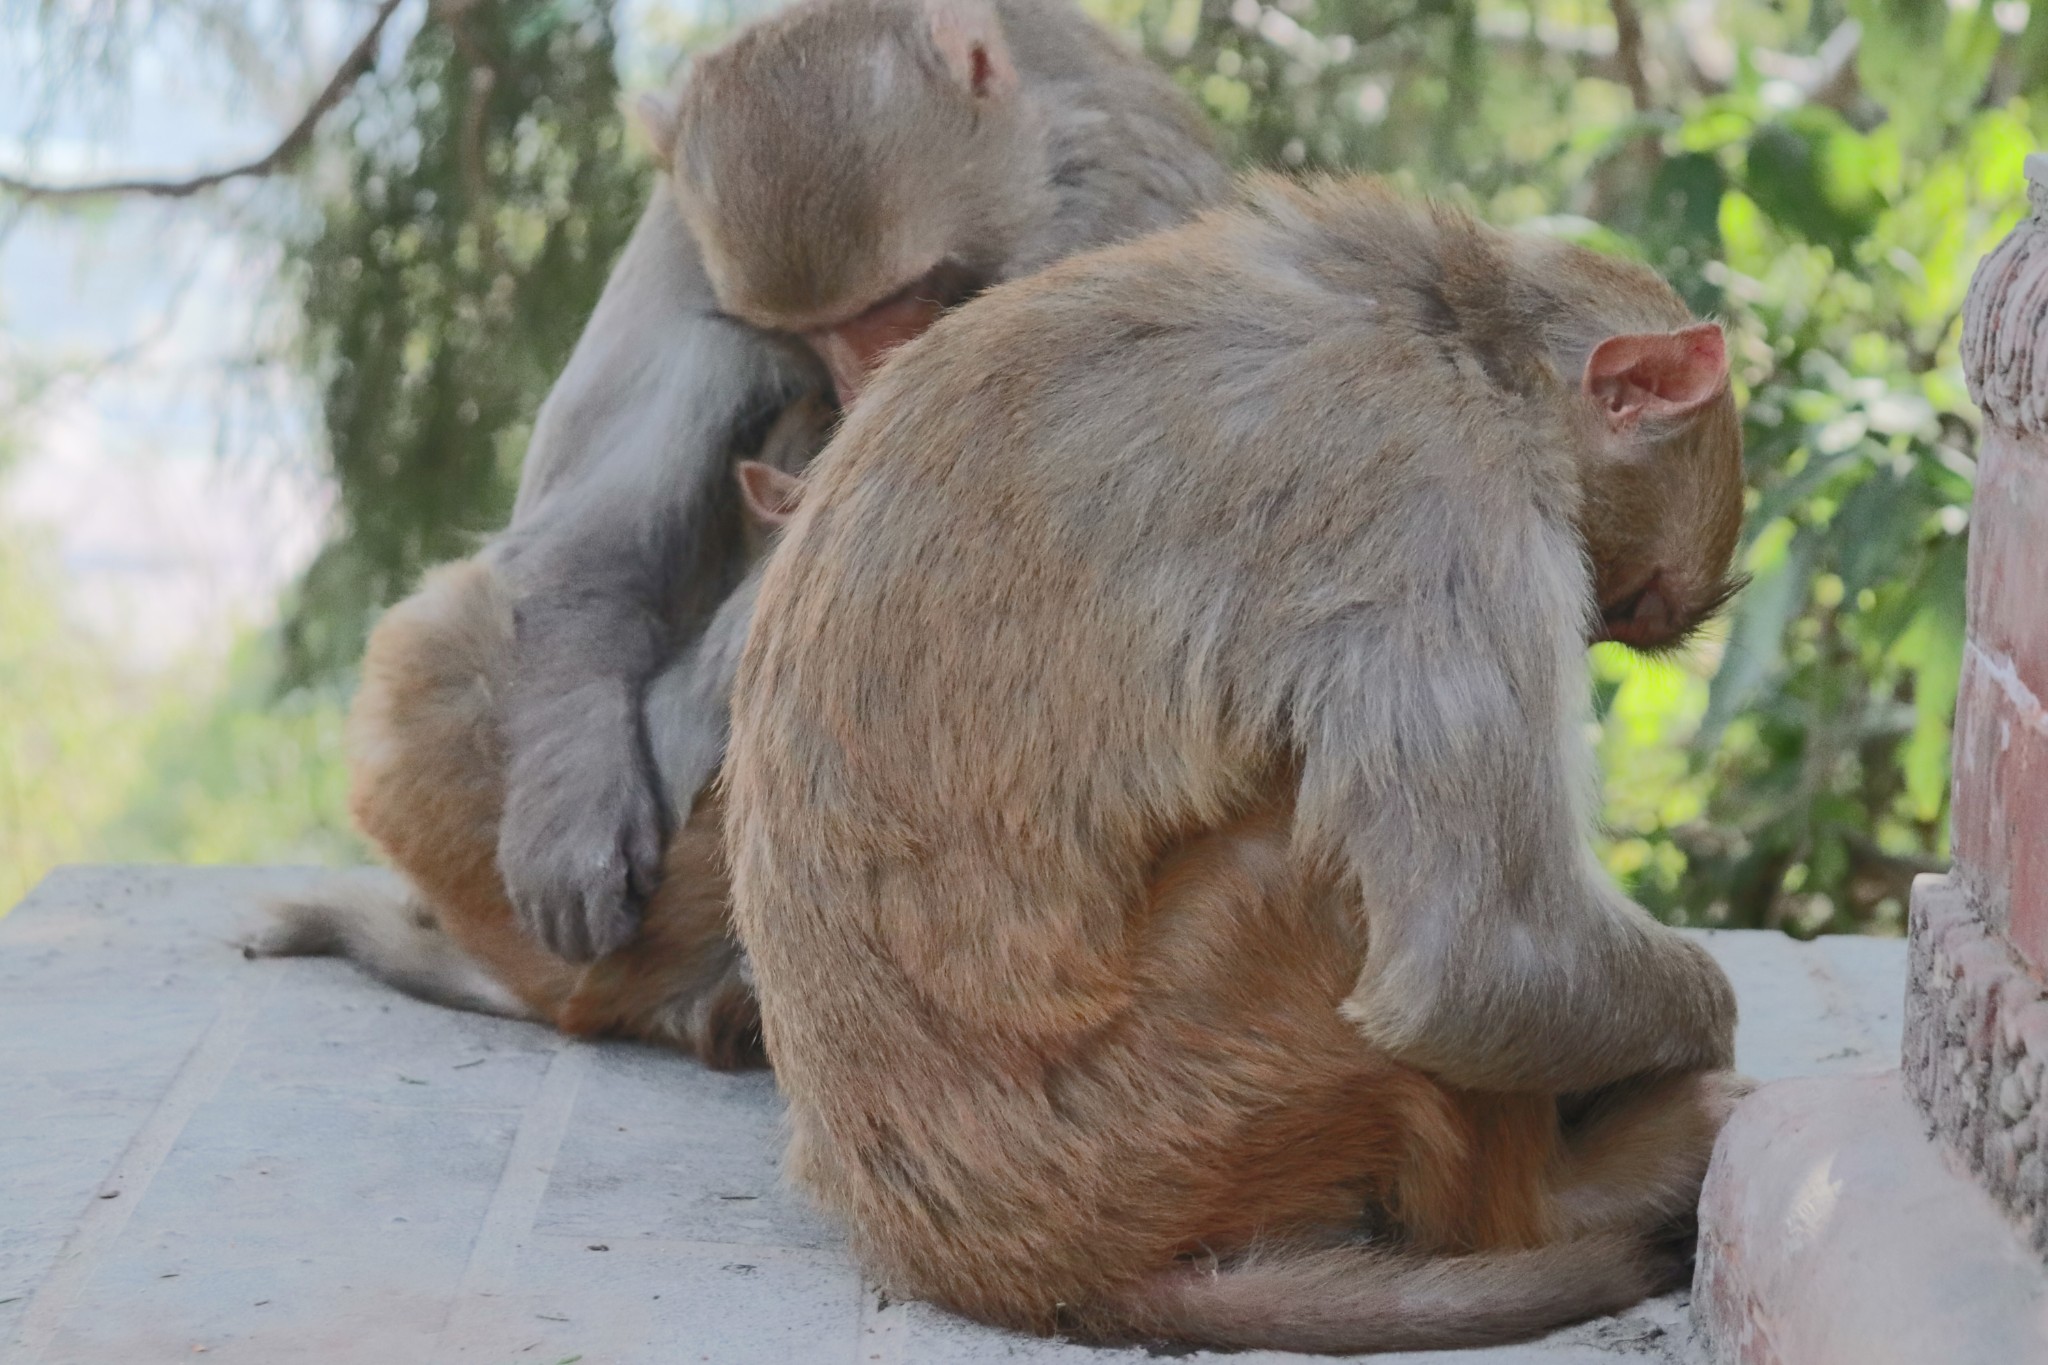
(580, 842)
(1582, 1006)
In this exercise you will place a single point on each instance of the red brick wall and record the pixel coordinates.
(2001, 745)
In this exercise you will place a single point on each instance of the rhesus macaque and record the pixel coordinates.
(841, 172)
(1158, 797)
(680, 981)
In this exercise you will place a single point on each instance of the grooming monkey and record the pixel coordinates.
(1157, 798)
(840, 173)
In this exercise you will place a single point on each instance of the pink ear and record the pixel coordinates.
(1657, 374)
(970, 41)
(769, 494)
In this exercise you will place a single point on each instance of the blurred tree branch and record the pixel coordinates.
(1628, 50)
(1828, 77)
(359, 60)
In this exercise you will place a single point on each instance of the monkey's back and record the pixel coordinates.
(1029, 643)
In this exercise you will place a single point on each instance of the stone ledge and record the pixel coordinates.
(305, 1168)
(1976, 1046)
(1832, 1232)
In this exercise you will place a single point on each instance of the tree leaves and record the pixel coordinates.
(1812, 174)
(1781, 572)
(474, 200)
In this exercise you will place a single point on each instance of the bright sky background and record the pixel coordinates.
(182, 492)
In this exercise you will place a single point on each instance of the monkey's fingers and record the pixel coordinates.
(581, 861)
(582, 912)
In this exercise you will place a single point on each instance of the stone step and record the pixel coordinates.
(207, 1159)
(1833, 1231)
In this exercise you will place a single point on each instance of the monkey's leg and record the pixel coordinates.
(1260, 946)
(1569, 1006)
(683, 983)
(427, 768)
(427, 784)
(1634, 1161)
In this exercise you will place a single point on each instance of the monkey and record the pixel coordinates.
(680, 982)
(1157, 793)
(846, 170)
(834, 177)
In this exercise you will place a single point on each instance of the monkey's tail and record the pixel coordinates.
(1341, 1300)
(393, 936)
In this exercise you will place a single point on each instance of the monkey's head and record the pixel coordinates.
(853, 168)
(1660, 456)
(1663, 504)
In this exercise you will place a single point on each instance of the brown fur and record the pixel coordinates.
(1156, 795)
(682, 982)
(426, 786)
(426, 768)
(426, 772)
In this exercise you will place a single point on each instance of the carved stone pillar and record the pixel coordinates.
(1977, 1015)
(1905, 1218)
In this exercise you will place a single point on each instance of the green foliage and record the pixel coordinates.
(68, 729)
(97, 763)
(1843, 257)
(240, 773)
(469, 207)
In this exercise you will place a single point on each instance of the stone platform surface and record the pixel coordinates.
(1833, 1232)
(207, 1159)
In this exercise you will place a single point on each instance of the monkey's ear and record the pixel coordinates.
(770, 495)
(1659, 375)
(657, 118)
(969, 39)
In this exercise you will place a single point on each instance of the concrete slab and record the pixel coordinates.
(203, 1158)
(1833, 1232)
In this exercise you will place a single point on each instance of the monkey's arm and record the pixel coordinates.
(625, 537)
(1444, 761)
(688, 705)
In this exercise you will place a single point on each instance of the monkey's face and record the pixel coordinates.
(1662, 508)
(855, 170)
(854, 347)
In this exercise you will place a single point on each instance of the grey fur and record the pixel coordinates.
(626, 535)
(688, 706)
